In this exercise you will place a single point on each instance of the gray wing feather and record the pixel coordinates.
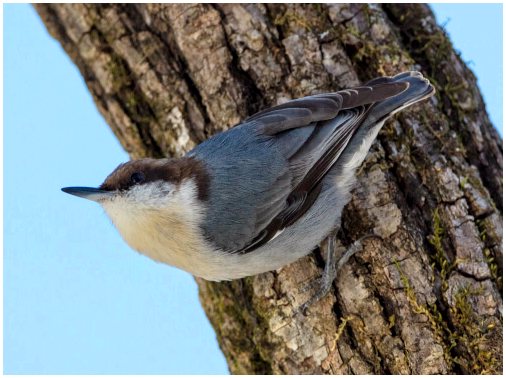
(266, 172)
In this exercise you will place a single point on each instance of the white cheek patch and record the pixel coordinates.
(153, 194)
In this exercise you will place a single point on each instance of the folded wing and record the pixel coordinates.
(270, 167)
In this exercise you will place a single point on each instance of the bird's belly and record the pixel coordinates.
(202, 260)
(178, 241)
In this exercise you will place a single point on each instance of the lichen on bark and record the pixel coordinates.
(427, 297)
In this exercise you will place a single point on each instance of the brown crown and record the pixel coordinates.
(170, 170)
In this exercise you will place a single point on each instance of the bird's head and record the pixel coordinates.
(152, 201)
(145, 183)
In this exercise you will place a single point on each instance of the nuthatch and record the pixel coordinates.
(258, 196)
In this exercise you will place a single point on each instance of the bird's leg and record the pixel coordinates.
(324, 283)
(332, 266)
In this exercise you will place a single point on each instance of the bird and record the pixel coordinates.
(261, 194)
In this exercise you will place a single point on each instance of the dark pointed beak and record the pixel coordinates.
(92, 194)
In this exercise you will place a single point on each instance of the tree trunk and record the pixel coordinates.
(428, 297)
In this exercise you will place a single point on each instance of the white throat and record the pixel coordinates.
(161, 220)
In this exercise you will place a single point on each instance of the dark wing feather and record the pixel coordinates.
(296, 113)
(367, 95)
(303, 138)
(308, 166)
(324, 152)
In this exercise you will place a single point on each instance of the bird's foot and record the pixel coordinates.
(322, 285)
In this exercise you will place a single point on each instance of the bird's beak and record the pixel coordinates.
(92, 194)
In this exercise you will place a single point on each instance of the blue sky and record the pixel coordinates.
(476, 31)
(76, 298)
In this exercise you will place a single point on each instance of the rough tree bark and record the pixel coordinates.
(426, 299)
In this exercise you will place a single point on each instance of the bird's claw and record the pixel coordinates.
(311, 285)
(323, 284)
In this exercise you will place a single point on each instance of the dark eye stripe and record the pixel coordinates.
(137, 178)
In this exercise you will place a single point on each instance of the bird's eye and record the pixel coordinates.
(137, 178)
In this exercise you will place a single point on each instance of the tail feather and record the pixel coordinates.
(419, 88)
